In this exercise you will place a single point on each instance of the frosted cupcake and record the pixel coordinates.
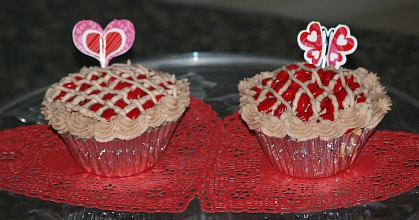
(116, 120)
(312, 122)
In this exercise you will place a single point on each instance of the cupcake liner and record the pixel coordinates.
(314, 158)
(119, 158)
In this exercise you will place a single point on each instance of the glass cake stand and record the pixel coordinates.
(213, 78)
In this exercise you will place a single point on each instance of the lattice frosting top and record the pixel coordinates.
(120, 101)
(303, 101)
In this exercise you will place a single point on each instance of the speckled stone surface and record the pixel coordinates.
(36, 45)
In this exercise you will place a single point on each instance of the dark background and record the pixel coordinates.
(36, 45)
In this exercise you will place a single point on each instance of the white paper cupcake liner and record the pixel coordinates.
(314, 158)
(119, 158)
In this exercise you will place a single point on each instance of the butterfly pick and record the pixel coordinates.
(326, 47)
(92, 40)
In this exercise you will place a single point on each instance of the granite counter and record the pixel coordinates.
(36, 45)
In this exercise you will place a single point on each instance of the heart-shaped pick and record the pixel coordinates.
(92, 40)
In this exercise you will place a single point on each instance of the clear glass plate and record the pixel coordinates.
(213, 77)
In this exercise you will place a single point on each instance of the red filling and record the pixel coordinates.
(108, 113)
(304, 110)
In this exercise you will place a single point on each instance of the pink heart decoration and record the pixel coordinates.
(341, 44)
(92, 40)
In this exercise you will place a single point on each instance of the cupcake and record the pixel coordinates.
(117, 120)
(312, 122)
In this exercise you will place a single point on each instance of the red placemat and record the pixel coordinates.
(244, 181)
(35, 162)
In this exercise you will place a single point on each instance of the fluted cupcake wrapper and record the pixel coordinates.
(314, 158)
(119, 158)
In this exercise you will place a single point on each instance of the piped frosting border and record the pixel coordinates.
(84, 124)
(360, 115)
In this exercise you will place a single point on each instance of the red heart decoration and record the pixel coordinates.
(93, 42)
(311, 41)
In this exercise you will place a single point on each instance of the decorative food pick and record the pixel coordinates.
(125, 111)
(326, 47)
(313, 118)
(92, 40)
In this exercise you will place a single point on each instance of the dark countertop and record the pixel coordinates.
(36, 44)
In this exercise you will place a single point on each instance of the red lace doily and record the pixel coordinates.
(35, 162)
(222, 162)
(244, 181)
